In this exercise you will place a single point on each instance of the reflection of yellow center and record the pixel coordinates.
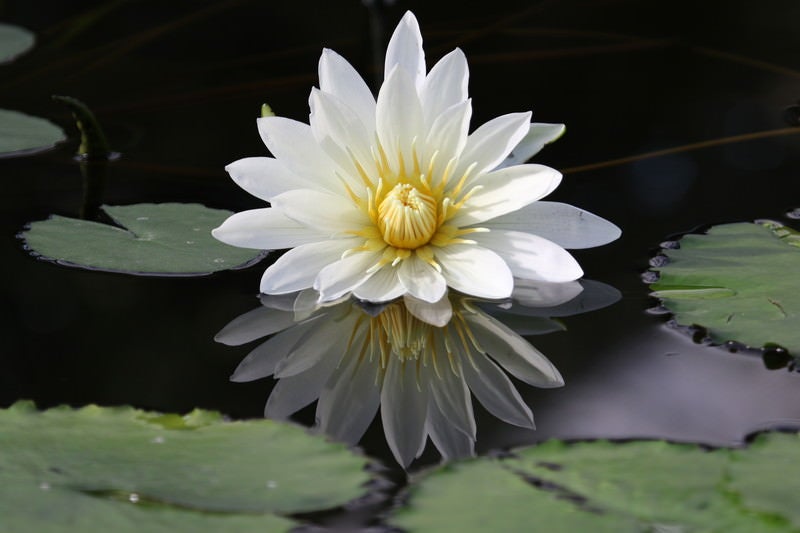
(407, 217)
(401, 332)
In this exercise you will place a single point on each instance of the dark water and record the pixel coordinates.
(178, 86)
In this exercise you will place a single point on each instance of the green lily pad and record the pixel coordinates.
(121, 469)
(22, 134)
(739, 281)
(14, 41)
(615, 487)
(155, 239)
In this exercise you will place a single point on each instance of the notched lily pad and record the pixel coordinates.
(121, 469)
(170, 239)
(14, 41)
(738, 281)
(22, 134)
(608, 486)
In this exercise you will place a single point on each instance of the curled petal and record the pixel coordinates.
(491, 143)
(265, 229)
(264, 177)
(421, 280)
(531, 257)
(537, 137)
(298, 268)
(343, 276)
(476, 271)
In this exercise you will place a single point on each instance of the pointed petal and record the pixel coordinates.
(403, 410)
(263, 177)
(405, 50)
(253, 325)
(383, 286)
(293, 144)
(452, 397)
(447, 136)
(539, 135)
(495, 391)
(475, 270)
(505, 191)
(531, 257)
(261, 361)
(445, 85)
(449, 440)
(323, 211)
(339, 78)
(398, 118)
(563, 224)
(513, 353)
(298, 268)
(421, 280)
(265, 229)
(436, 314)
(350, 399)
(327, 341)
(491, 143)
(343, 276)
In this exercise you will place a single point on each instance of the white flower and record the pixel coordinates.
(391, 197)
(418, 363)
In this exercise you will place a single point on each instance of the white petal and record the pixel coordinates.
(445, 85)
(323, 211)
(451, 395)
(265, 229)
(398, 118)
(530, 256)
(253, 325)
(342, 135)
(403, 410)
(264, 177)
(475, 270)
(513, 353)
(327, 341)
(339, 78)
(447, 136)
(421, 280)
(293, 144)
(350, 399)
(298, 268)
(563, 224)
(405, 50)
(539, 135)
(491, 143)
(448, 439)
(295, 392)
(495, 391)
(505, 191)
(343, 276)
(436, 314)
(382, 286)
(261, 361)
(589, 296)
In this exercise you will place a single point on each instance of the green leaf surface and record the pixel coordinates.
(22, 134)
(157, 239)
(14, 41)
(740, 281)
(616, 487)
(121, 469)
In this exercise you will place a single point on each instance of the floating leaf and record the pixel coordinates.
(739, 281)
(22, 134)
(83, 470)
(605, 486)
(155, 239)
(14, 41)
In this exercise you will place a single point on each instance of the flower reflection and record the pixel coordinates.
(417, 362)
(394, 196)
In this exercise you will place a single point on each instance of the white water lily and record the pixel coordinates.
(418, 363)
(384, 198)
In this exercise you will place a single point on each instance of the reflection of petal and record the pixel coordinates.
(254, 325)
(436, 314)
(403, 410)
(449, 440)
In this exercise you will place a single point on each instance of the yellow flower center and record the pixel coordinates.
(407, 217)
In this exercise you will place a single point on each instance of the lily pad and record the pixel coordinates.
(22, 134)
(154, 239)
(739, 281)
(121, 469)
(14, 41)
(607, 486)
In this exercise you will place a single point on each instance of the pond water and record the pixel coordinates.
(177, 87)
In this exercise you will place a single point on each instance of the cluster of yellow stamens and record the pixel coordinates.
(409, 208)
(395, 332)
